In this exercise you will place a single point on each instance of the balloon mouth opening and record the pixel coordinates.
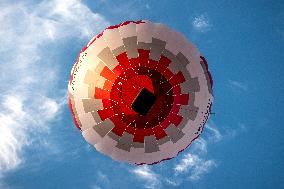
(147, 97)
(144, 102)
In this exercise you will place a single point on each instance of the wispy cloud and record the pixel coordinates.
(102, 177)
(31, 97)
(17, 122)
(201, 23)
(231, 133)
(202, 167)
(187, 162)
(146, 174)
(172, 182)
(195, 165)
(215, 133)
(238, 85)
(191, 166)
(200, 146)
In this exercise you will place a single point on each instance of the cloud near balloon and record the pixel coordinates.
(29, 76)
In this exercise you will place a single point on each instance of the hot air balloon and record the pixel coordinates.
(140, 92)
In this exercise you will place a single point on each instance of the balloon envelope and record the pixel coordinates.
(140, 92)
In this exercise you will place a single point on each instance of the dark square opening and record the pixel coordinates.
(143, 102)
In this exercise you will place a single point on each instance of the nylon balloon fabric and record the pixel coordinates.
(140, 92)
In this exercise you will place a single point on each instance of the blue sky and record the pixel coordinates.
(242, 144)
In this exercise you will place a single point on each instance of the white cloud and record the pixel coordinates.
(103, 177)
(70, 18)
(187, 162)
(17, 122)
(238, 85)
(10, 144)
(200, 168)
(172, 182)
(194, 164)
(231, 133)
(146, 174)
(199, 146)
(31, 36)
(201, 23)
(215, 134)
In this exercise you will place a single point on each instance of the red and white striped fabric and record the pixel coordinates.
(140, 92)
